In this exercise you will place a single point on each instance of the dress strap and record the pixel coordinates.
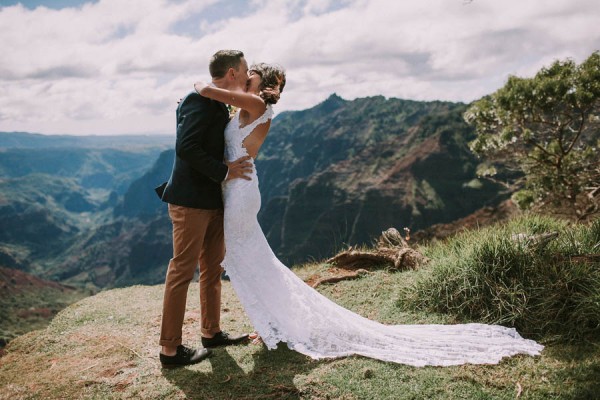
(267, 115)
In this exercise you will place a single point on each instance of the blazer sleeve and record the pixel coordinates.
(193, 122)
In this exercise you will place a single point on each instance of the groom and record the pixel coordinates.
(196, 211)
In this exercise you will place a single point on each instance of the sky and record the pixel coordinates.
(110, 67)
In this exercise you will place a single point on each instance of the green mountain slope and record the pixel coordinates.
(356, 168)
(51, 197)
(108, 169)
(335, 174)
(41, 214)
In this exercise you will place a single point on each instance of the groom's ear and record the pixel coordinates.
(230, 73)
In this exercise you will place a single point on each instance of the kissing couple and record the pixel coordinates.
(213, 200)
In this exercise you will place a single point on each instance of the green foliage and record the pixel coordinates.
(548, 128)
(492, 276)
(524, 198)
(32, 308)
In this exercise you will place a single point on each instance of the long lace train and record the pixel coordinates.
(283, 308)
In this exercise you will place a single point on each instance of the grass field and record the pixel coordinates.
(105, 347)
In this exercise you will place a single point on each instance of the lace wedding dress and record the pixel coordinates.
(283, 308)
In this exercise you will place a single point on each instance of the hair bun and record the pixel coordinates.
(271, 95)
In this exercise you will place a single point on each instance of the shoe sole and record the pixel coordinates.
(172, 366)
(225, 344)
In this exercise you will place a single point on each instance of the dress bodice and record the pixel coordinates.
(235, 135)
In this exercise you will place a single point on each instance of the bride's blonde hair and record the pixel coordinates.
(272, 81)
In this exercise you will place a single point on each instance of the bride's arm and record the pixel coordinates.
(246, 101)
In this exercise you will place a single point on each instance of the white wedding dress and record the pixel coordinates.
(283, 308)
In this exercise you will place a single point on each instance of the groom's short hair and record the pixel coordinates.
(222, 60)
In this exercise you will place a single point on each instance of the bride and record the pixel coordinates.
(282, 307)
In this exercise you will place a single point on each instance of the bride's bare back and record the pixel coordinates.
(253, 142)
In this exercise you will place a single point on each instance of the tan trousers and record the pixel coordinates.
(197, 239)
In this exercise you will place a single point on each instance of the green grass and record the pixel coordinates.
(485, 275)
(105, 346)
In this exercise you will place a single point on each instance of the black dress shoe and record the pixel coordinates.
(223, 339)
(184, 356)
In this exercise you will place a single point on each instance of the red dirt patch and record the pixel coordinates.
(13, 281)
(483, 217)
(43, 312)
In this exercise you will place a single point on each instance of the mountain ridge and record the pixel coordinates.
(334, 175)
(28, 140)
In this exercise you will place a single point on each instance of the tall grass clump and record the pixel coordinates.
(503, 275)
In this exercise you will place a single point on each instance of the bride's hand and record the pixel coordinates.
(198, 86)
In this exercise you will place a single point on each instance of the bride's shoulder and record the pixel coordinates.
(257, 111)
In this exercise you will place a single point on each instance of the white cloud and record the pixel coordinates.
(119, 67)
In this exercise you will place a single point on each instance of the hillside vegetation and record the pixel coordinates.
(79, 211)
(28, 303)
(338, 173)
(343, 171)
(56, 189)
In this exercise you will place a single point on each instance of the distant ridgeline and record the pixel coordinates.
(334, 175)
(26, 140)
(56, 189)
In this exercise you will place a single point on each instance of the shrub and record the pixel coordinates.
(489, 275)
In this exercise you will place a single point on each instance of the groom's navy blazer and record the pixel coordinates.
(198, 169)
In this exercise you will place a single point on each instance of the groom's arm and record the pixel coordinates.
(193, 121)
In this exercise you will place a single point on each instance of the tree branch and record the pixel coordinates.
(581, 124)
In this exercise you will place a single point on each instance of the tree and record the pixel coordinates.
(548, 128)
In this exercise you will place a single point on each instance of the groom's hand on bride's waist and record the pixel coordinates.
(240, 168)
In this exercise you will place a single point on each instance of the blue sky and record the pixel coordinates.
(119, 66)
